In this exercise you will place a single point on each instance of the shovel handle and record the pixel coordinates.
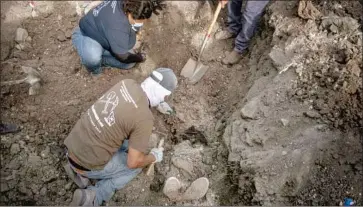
(207, 36)
(161, 143)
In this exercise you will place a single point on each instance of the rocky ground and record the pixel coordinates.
(281, 127)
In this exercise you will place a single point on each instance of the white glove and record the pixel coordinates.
(158, 154)
(164, 108)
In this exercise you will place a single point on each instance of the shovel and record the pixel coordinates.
(194, 70)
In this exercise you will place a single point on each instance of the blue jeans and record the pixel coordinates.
(244, 25)
(114, 176)
(92, 54)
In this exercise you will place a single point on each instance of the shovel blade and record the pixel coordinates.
(189, 68)
(194, 71)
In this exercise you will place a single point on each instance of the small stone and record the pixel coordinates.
(45, 152)
(28, 39)
(43, 191)
(14, 149)
(284, 153)
(68, 34)
(284, 122)
(62, 192)
(312, 114)
(61, 37)
(335, 156)
(333, 29)
(21, 35)
(250, 110)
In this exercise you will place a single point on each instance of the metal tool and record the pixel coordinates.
(194, 70)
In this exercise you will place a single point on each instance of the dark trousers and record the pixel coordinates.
(244, 24)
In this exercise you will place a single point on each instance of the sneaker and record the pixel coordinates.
(80, 181)
(171, 188)
(83, 197)
(224, 34)
(232, 58)
(196, 190)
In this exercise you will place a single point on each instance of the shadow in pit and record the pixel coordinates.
(239, 187)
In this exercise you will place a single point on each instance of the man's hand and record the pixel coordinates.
(223, 2)
(158, 154)
(137, 159)
(164, 108)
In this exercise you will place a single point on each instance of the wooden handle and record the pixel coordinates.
(207, 36)
(161, 143)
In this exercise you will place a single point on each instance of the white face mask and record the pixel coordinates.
(154, 91)
(137, 26)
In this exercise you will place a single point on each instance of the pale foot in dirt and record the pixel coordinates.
(196, 190)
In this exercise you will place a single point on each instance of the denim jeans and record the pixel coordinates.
(93, 55)
(114, 176)
(244, 24)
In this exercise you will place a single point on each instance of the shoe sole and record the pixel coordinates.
(197, 189)
(171, 188)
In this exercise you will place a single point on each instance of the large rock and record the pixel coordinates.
(21, 35)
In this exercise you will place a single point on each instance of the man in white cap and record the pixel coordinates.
(110, 141)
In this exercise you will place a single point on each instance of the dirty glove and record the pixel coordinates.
(158, 154)
(164, 108)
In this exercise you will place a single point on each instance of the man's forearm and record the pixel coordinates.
(147, 160)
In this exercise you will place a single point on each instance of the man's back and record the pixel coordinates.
(109, 26)
(121, 113)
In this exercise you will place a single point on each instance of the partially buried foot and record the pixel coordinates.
(196, 190)
(171, 188)
(83, 197)
(232, 58)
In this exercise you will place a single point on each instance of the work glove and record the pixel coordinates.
(158, 154)
(164, 108)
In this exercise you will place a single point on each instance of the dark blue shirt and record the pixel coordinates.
(109, 26)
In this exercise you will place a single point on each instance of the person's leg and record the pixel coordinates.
(114, 176)
(250, 18)
(89, 50)
(234, 16)
(109, 60)
(234, 24)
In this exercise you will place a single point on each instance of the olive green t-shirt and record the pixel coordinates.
(121, 113)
